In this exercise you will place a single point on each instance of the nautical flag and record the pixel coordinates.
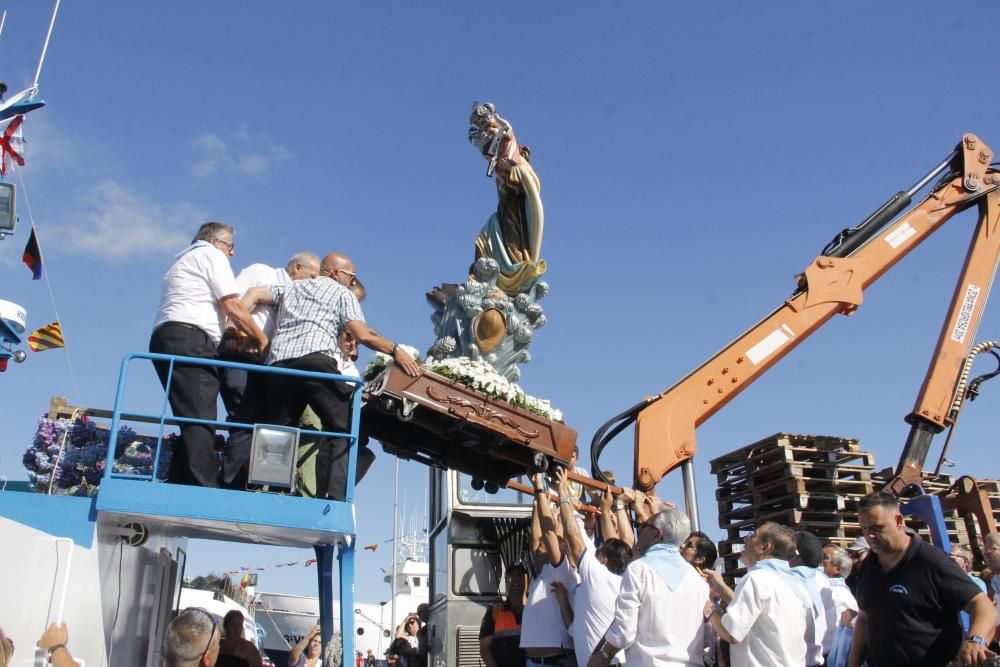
(371, 547)
(33, 256)
(11, 136)
(245, 581)
(311, 561)
(46, 338)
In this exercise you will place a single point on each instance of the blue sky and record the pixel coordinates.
(693, 157)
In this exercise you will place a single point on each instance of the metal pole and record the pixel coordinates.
(38, 72)
(690, 494)
(395, 532)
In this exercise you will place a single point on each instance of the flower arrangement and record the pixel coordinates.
(69, 457)
(476, 374)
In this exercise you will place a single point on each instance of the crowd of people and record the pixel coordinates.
(606, 592)
(305, 316)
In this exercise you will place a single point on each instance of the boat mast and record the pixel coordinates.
(45, 47)
(395, 535)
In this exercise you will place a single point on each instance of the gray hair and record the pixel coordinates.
(841, 559)
(674, 526)
(992, 538)
(305, 259)
(211, 230)
(186, 638)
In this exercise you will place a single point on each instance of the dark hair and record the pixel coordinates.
(705, 549)
(618, 555)
(516, 567)
(878, 499)
(210, 230)
(780, 538)
(810, 548)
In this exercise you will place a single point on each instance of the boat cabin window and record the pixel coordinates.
(475, 572)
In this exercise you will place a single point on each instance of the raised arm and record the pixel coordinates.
(372, 339)
(239, 316)
(547, 523)
(567, 511)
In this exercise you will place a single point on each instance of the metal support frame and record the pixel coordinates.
(690, 494)
(928, 509)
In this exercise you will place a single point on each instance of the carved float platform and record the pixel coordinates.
(445, 424)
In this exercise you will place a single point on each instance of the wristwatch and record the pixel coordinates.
(708, 611)
(52, 649)
(976, 639)
(604, 650)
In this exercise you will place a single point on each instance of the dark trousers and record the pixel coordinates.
(239, 396)
(194, 392)
(286, 398)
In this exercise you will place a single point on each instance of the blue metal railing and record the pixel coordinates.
(162, 420)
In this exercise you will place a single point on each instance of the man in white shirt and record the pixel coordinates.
(199, 293)
(600, 572)
(234, 380)
(658, 616)
(544, 637)
(765, 622)
(819, 626)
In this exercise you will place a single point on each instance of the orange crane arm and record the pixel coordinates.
(833, 283)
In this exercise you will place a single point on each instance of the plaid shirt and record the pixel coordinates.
(311, 315)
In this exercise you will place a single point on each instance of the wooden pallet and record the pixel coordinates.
(816, 502)
(781, 440)
(791, 485)
(763, 458)
(833, 472)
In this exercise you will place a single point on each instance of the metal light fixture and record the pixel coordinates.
(274, 453)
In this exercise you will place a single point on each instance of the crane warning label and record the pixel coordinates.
(965, 314)
(896, 237)
(771, 342)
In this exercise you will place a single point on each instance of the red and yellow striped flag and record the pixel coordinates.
(46, 338)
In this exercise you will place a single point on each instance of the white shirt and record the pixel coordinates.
(842, 601)
(192, 287)
(542, 624)
(816, 619)
(656, 626)
(768, 620)
(593, 604)
(262, 275)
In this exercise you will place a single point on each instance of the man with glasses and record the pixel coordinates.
(311, 316)
(191, 640)
(991, 552)
(239, 389)
(765, 620)
(199, 293)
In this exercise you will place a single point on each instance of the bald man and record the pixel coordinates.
(311, 315)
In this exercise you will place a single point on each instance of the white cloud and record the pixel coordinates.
(113, 222)
(242, 156)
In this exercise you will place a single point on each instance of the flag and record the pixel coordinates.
(311, 561)
(48, 337)
(371, 547)
(33, 256)
(245, 580)
(11, 136)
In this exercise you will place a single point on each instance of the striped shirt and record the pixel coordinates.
(311, 315)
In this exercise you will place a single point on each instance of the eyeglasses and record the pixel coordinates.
(211, 635)
(354, 276)
(230, 245)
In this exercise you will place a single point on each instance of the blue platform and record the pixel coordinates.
(328, 526)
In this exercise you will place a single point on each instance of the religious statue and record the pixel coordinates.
(493, 315)
(513, 235)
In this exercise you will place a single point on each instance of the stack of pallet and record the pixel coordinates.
(813, 483)
(810, 482)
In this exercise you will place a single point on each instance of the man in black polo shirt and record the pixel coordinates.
(910, 593)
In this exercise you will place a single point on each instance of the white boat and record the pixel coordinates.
(285, 619)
